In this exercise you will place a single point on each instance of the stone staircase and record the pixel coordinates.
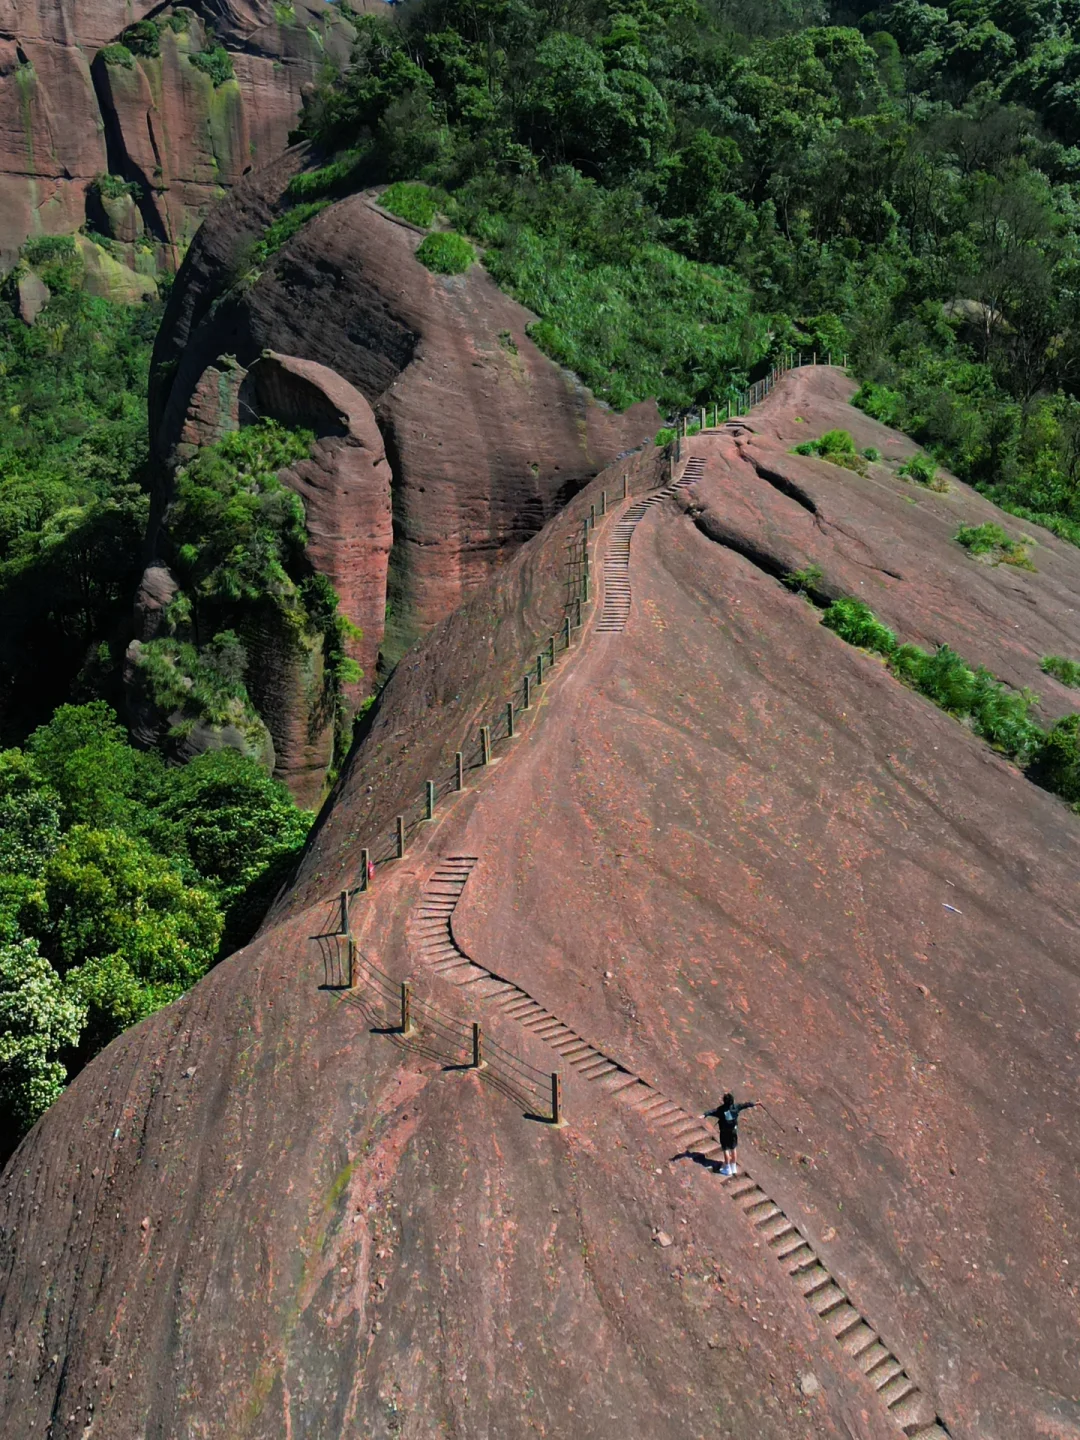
(615, 610)
(430, 935)
(431, 939)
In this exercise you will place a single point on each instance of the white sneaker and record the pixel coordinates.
(733, 1169)
(725, 1169)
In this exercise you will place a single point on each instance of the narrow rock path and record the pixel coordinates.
(615, 610)
(431, 939)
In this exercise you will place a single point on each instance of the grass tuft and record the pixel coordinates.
(416, 203)
(990, 539)
(1067, 671)
(446, 253)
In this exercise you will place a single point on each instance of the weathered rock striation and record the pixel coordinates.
(730, 851)
(70, 114)
(455, 439)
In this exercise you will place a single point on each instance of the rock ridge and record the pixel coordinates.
(459, 438)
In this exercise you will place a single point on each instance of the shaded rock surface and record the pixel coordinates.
(345, 487)
(67, 117)
(722, 849)
(446, 438)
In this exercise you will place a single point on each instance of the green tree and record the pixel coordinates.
(237, 828)
(40, 1018)
(29, 816)
(99, 779)
(124, 928)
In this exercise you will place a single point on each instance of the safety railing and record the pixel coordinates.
(418, 1023)
(692, 421)
(500, 726)
(396, 1010)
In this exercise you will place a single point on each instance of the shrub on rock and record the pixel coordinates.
(446, 253)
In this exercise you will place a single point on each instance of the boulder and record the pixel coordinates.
(31, 296)
(122, 219)
(111, 279)
(157, 590)
(199, 737)
(287, 682)
(184, 733)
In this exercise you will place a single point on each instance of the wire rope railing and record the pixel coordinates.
(691, 422)
(414, 1022)
(420, 1024)
(498, 726)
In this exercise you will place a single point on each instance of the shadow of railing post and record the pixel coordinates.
(413, 1023)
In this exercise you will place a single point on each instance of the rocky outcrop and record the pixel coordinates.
(69, 114)
(31, 297)
(345, 487)
(486, 437)
(446, 438)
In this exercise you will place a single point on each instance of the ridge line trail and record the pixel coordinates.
(744, 893)
(564, 711)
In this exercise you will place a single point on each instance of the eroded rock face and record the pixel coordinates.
(486, 437)
(66, 116)
(445, 437)
(345, 487)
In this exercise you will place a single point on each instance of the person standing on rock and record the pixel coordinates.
(727, 1118)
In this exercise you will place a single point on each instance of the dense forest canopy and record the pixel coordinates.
(73, 487)
(680, 189)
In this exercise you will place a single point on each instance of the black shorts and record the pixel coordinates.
(729, 1139)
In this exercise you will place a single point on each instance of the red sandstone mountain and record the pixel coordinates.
(726, 850)
(447, 438)
(67, 117)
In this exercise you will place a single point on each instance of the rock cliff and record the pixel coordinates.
(140, 93)
(451, 438)
(727, 849)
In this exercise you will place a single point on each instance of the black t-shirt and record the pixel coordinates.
(728, 1118)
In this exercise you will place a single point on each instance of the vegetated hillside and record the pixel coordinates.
(729, 848)
(443, 439)
(678, 191)
(131, 120)
(122, 878)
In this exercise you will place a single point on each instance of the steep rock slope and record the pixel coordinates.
(484, 437)
(333, 1238)
(69, 115)
(730, 851)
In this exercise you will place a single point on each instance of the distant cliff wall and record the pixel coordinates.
(175, 108)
